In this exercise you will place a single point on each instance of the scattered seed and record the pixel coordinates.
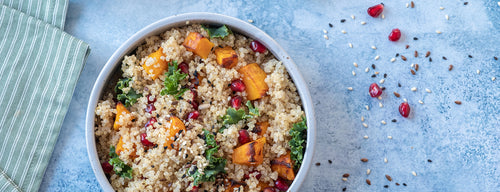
(382, 81)
(355, 64)
(377, 57)
(393, 59)
(428, 160)
(385, 160)
(399, 84)
(397, 184)
(364, 160)
(427, 90)
(416, 53)
(413, 173)
(344, 189)
(413, 89)
(352, 16)
(325, 31)
(349, 88)
(412, 65)
(496, 58)
(405, 100)
(458, 102)
(325, 36)
(343, 31)
(383, 16)
(404, 184)
(412, 72)
(403, 57)
(493, 78)
(430, 59)
(499, 3)
(367, 69)
(379, 97)
(373, 47)
(389, 178)
(365, 125)
(421, 102)
(330, 161)
(353, 73)
(408, 46)
(466, 3)
(318, 164)
(385, 75)
(250, 21)
(397, 54)
(415, 38)
(416, 67)
(478, 71)
(394, 120)
(362, 118)
(386, 186)
(396, 94)
(373, 66)
(345, 175)
(329, 24)
(412, 4)
(383, 89)
(344, 179)
(373, 76)
(442, 8)
(368, 182)
(383, 122)
(427, 54)
(362, 22)
(380, 105)
(350, 45)
(389, 137)
(367, 108)
(368, 171)
(447, 17)
(444, 58)
(407, 5)
(470, 56)
(342, 20)
(438, 31)
(450, 67)
(366, 136)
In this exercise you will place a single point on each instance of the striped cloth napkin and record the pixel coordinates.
(39, 67)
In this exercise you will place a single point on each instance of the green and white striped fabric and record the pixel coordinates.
(39, 67)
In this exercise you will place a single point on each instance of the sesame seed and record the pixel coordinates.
(427, 90)
(349, 88)
(368, 171)
(379, 97)
(344, 179)
(329, 24)
(362, 22)
(329, 161)
(364, 160)
(412, 65)
(342, 20)
(394, 120)
(493, 78)
(458, 102)
(478, 71)
(343, 31)
(325, 31)
(365, 125)
(413, 89)
(325, 36)
(377, 57)
(438, 31)
(367, 107)
(407, 5)
(373, 47)
(499, 3)
(447, 17)
(405, 100)
(386, 186)
(421, 102)
(383, 16)
(442, 8)
(376, 72)
(383, 122)
(350, 45)
(352, 16)
(393, 59)
(362, 118)
(385, 160)
(389, 137)
(382, 81)
(355, 64)
(366, 136)
(413, 173)
(367, 69)
(353, 73)
(250, 21)
(380, 105)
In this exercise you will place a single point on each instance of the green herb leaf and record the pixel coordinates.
(127, 97)
(221, 32)
(251, 110)
(298, 142)
(233, 116)
(215, 164)
(120, 168)
(172, 79)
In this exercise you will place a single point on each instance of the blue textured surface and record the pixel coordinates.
(461, 140)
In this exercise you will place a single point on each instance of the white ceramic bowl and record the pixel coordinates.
(235, 25)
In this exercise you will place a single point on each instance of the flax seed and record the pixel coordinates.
(412, 72)
(408, 46)
(416, 67)
(458, 102)
(412, 4)
(450, 67)
(396, 94)
(364, 160)
(368, 182)
(416, 53)
(403, 57)
(345, 175)
(427, 54)
(389, 178)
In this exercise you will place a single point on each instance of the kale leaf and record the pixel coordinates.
(215, 164)
(298, 142)
(120, 168)
(172, 79)
(233, 116)
(130, 97)
(221, 32)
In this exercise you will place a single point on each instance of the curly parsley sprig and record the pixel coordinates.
(215, 164)
(172, 81)
(298, 142)
(233, 116)
(120, 168)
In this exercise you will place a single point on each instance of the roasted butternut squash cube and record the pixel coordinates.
(260, 128)
(254, 80)
(226, 57)
(120, 111)
(154, 65)
(199, 45)
(176, 125)
(233, 186)
(251, 153)
(119, 149)
(263, 185)
(284, 166)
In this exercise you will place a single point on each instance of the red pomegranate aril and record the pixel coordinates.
(145, 141)
(194, 104)
(236, 102)
(281, 184)
(106, 167)
(195, 94)
(151, 122)
(150, 108)
(243, 137)
(375, 90)
(395, 35)
(195, 189)
(375, 10)
(193, 115)
(238, 85)
(257, 47)
(151, 99)
(184, 68)
(404, 109)
(247, 176)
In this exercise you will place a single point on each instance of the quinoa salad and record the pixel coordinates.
(199, 108)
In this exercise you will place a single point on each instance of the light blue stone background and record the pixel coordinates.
(461, 140)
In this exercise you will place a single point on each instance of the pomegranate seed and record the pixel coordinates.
(151, 122)
(145, 141)
(184, 68)
(376, 10)
(106, 167)
(243, 137)
(194, 104)
(150, 108)
(395, 35)
(193, 115)
(404, 109)
(195, 189)
(375, 90)
(281, 184)
(151, 99)
(247, 176)
(238, 85)
(257, 47)
(195, 94)
(236, 102)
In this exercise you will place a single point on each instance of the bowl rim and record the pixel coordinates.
(184, 19)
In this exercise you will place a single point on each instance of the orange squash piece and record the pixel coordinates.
(231, 186)
(254, 80)
(176, 125)
(284, 166)
(226, 57)
(120, 110)
(199, 45)
(251, 153)
(263, 185)
(260, 128)
(154, 65)
(119, 149)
